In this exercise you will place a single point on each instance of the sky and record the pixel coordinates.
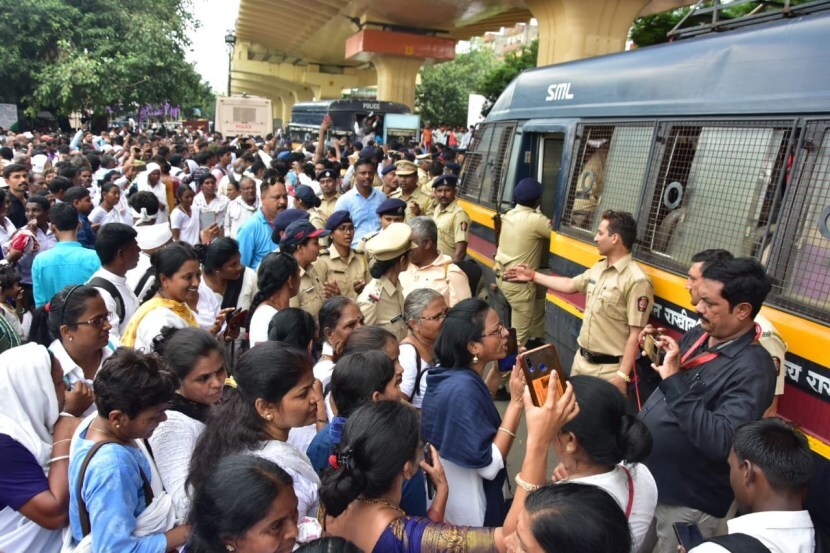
(208, 49)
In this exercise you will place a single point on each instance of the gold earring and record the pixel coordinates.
(230, 548)
(475, 359)
(569, 448)
(269, 417)
(70, 338)
(117, 426)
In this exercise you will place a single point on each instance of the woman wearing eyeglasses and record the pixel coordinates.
(75, 327)
(459, 418)
(423, 312)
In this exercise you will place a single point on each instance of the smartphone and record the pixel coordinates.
(206, 219)
(429, 461)
(652, 350)
(235, 321)
(506, 364)
(539, 366)
(688, 534)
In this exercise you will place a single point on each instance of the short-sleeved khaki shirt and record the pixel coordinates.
(310, 298)
(772, 341)
(453, 226)
(327, 206)
(345, 271)
(618, 297)
(525, 235)
(381, 303)
(423, 201)
(316, 218)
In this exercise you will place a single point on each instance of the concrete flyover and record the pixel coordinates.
(297, 50)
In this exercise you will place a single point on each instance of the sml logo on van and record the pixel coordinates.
(559, 91)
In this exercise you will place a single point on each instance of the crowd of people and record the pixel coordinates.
(214, 344)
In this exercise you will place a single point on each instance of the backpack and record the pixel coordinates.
(100, 282)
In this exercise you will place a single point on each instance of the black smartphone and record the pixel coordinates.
(429, 461)
(688, 534)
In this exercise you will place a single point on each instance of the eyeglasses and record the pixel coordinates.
(97, 322)
(436, 317)
(498, 332)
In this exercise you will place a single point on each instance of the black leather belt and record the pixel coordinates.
(599, 358)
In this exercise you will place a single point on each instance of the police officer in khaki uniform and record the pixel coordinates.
(417, 203)
(453, 222)
(343, 271)
(524, 238)
(424, 180)
(327, 179)
(619, 298)
(301, 240)
(307, 200)
(381, 302)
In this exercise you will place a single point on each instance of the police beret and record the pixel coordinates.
(445, 180)
(388, 169)
(391, 242)
(368, 151)
(447, 155)
(326, 174)
(307, 195)
(392, 206)
(287, 217)
(338, 218)
(453, 167)
(528, 190)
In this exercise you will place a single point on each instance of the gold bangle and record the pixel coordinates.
(625, 378)
(526, 486)
(506, 431)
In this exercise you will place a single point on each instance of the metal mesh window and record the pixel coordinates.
(475, 161)
(802, 281)
(611, 163)
(714, 188)
(497, 159)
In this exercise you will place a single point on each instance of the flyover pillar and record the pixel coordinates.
(397, 57)
(570, 30)
(396, 78)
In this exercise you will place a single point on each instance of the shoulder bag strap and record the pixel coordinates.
(143, 280)
(739, 543)
(98, 282)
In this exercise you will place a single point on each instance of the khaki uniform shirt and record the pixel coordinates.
(331, 266)
(772, 341)
(442, 275)
(310, 299)
(424, 182)
(453, 226)
(316, 218)
(525, 236)
(381, 303)
(618, 297)
(327, 206)
(423, 201)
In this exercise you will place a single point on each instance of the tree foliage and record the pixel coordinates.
(90, 55)
(443, 93)
(501, 75)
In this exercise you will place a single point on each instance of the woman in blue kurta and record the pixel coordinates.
(459, 418)
(125, 513)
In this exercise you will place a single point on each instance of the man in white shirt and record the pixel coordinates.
(118, 251)
(242, 207)
(769, 467)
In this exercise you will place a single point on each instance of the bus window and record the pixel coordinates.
(506, 193)
(610, 168)
(552, 146)
(804, 261)
(714, 189)
(475, 164)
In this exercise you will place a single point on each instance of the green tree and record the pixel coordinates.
(497, 79)
(443, 93)
(89, 55)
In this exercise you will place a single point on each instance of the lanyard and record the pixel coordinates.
(686, 363)
(630, 491)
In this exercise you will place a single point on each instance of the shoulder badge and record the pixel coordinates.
(642, 304)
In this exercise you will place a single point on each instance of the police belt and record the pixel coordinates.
(599, 358)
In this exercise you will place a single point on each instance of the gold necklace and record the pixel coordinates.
(381, 502)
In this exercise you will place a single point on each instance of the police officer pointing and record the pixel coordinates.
(619, 297)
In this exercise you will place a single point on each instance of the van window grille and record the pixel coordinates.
(801, 267)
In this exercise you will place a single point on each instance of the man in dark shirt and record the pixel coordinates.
(17, 178)
(715, 380)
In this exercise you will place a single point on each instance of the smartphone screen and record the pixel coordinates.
(206, 218)
(688, 534)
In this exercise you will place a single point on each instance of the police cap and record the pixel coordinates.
(391, 242)
(445, 180)
(338, 218)
(392, 206)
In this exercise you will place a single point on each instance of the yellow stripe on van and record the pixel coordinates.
(477, 213)
(818, 446)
